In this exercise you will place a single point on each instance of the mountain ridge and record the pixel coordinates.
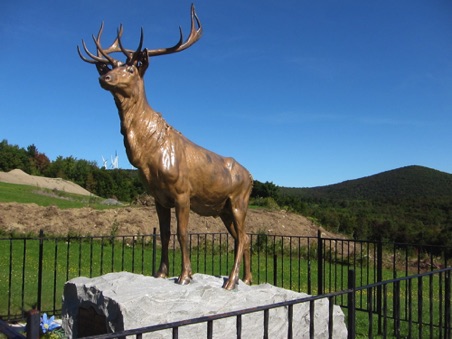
(401, 183)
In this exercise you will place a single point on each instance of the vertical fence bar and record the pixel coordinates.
(275, 270)
(370, 312)
(10, 276)
(351, 304)
(290, 263)
(282, 262)
(23, 279)
(379, 287)
(143, 243)
(123, 248)
(311, 319)
(101, 255)
(40, 259)
(154, 250)
(330, 317)
(309, 268)
(209, 329)
(205, 253)
(197, 253)
(259, 250)
(420, 302)
(319, 263)
(299, 264)
(430, 299)
(80, 257)
(266, 316)
(410, 307)
(266, 258)
(133, 254)
(91, 256)
(213, 254)
(239, 326)
(112, 268)
(396, 308)
(289, 322)
(55, 273)
(221, 259)
(385, 311)
(447, 304)
(227, 255)
(33, 321)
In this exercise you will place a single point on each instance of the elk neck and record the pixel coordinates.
(142, 127)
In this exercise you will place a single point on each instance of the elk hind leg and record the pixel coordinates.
(235, 223)
(164, 216)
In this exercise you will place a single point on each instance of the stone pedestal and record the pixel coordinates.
(122, 301)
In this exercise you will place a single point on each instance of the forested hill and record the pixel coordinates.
(411, 204)
(411, 182)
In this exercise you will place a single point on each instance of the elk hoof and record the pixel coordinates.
(247, 281)
(160, 275)
(183, 280)
(229, 284)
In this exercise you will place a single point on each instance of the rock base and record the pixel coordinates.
(122, 301)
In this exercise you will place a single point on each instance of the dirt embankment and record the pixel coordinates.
(30, 218)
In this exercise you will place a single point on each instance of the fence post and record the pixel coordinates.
(319, 263)
(396, 308)
(40, 259)
(447, 310)
(351, 304)
(33, 324)
(154, 249)
(379, 287)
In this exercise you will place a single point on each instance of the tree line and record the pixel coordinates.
(120, 184)
(124, 185)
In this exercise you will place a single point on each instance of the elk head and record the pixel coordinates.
(122, 77)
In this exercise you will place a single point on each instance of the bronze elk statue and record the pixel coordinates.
(177, 172)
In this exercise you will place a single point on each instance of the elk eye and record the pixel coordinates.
(130, 69)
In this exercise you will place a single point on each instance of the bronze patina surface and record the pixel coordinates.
(177, 172)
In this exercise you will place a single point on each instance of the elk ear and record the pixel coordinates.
(142, 62)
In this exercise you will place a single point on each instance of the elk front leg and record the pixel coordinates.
(182, 215)
(164, 215)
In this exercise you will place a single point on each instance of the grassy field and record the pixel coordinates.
(46, 197)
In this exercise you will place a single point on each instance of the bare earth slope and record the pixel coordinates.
(30, 218)
(18, 176)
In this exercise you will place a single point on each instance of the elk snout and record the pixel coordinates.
(106, 80)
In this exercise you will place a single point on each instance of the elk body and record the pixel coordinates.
(178, 173)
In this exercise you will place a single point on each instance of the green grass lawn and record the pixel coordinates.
(46, 197)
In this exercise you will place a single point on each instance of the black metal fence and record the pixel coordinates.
(33, 270)
(396, 318)
(427, 314)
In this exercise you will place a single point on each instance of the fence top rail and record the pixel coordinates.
(43, 236)
(410, 277)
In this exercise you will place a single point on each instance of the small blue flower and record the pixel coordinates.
(48, 324)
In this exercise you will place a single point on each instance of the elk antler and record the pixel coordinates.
(195, 35)
(103, 55)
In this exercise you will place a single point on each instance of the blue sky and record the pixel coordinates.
(302, 93)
